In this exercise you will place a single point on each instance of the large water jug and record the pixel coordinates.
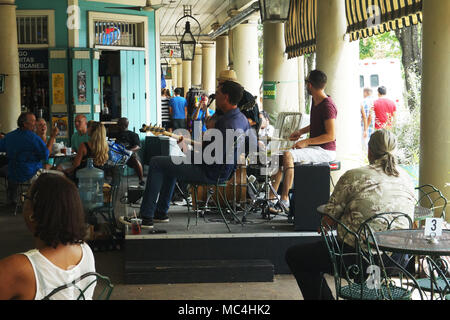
(90, 185)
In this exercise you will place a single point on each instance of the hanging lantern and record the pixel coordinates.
(274, 10)
(187, 43)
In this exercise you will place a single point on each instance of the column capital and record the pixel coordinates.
(208, 45)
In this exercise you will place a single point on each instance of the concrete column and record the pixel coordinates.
(196, 73)
(301, 84)
(209, 68)
(179, 73)
(245, 55)
(221, 54)
(9, 66)
(336, 57)
(174, 65)
(281, 70)
(187, 76)
(435, 113)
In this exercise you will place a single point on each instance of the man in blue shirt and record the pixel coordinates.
(25, 151)
(178, 110)
(164, 173)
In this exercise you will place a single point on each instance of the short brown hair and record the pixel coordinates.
(318, 79)
(57, 210)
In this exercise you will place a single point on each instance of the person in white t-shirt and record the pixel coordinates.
(53, 212)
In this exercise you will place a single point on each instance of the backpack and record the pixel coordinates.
(117, 154)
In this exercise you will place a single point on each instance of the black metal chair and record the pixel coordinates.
(107, 211)
(351, 262)
(84, 285)
(439, 286)
(432, 198)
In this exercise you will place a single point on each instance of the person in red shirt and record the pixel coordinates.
(384, 110)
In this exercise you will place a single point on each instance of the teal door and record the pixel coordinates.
(133, 96)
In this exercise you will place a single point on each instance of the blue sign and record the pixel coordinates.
(33, 59)
(110, 36)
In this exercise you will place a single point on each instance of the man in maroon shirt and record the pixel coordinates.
(321, 144)
(384, 110)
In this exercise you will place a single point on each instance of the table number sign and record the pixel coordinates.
(433, 227)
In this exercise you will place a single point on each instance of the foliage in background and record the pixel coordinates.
(381, 46)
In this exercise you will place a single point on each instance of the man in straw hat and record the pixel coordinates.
(247, 105)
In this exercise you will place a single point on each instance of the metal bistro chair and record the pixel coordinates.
(350, 265)
(220, 191)
(429, 197)
(396, 282)
(88, 282)
(429, 200)
(107, 211)
(438, 268)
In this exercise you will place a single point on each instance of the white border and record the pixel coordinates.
(51, 26)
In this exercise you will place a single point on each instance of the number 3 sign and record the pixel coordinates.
(433, 227)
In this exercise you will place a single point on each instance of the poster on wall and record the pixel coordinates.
(81, 86)
(58, 88)
(269, 90)
(168, 73)
(62, 123)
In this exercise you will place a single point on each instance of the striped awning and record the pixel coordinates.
(300, 29)
(366, 18)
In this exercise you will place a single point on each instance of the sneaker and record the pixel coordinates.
(285, 205)
(142, 183)
(146, 223)
(161, 218)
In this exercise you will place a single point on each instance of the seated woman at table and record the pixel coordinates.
(359, 194)
(41, 131)
(54, 214)
(96, 148)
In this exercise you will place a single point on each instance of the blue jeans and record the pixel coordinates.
(161, 179)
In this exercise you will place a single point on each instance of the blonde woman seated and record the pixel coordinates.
(96, 148)
(53, 213)
(359, 194)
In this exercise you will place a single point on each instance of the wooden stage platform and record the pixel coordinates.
(207, 252)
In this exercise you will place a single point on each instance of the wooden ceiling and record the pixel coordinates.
(206, 12)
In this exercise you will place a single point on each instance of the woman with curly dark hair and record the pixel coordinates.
(53, 212)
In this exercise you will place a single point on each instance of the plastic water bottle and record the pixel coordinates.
(90, 185)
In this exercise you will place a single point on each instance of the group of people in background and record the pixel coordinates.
(376, 113)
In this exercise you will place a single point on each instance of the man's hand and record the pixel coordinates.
(295, 136)
(301, 144)
(327, 222)
(55, 131)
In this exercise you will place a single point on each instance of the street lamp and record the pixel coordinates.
(187, 41)
(274, 10)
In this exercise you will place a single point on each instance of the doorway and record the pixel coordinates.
(110, 86)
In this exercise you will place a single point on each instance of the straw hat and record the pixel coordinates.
(227, 75)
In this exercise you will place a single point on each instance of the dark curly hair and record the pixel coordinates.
(57, 210)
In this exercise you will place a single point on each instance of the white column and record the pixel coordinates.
(245, 55)
(179, 73)
(280, 70)
(9, 66)
(174, 65)
(221, 54)
(435, 113)
(301, 84)
(187, 76)
(337, 57)
(209, 68)
(196, 73)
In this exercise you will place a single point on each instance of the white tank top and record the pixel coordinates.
(48, 276)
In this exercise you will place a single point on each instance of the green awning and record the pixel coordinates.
(366, 18)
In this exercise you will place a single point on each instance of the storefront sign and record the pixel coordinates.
(33, 60)
(110, 36)
(58, 88)
(269, 90)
